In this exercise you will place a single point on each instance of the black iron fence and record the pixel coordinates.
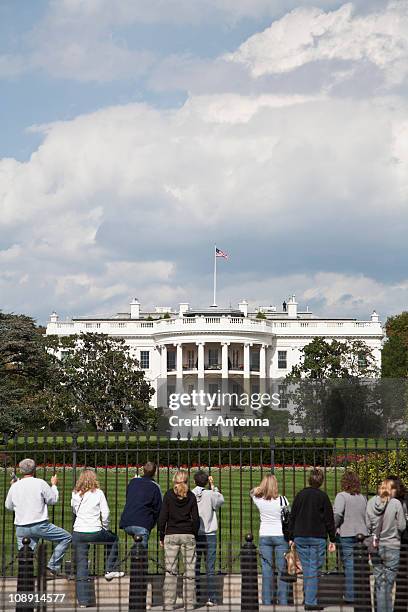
(237, 464)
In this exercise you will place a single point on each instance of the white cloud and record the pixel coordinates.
(117, 202)
(309, 35)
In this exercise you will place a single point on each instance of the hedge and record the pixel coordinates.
(376, 466)
(135, 450)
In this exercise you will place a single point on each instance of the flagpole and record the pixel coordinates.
(215, 276)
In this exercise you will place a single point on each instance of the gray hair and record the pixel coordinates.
(27, 466)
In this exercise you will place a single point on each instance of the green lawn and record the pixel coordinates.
(237, 517)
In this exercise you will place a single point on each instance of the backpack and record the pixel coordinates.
(285, 517)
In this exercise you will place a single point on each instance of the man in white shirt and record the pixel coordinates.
(29, 498)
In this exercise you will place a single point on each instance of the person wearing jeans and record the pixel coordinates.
(311, 521)
(208, 501)
(91, 527)
(385, 517)
(29, 498)
(143, 504)
(178, 527)
(272, 544)
(349, 516)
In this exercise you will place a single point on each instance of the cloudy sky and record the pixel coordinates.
(135, 134)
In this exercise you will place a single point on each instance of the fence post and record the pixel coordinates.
(25, 579)
(42, 574)
(138, 576)
(362, 591)
(249, 576)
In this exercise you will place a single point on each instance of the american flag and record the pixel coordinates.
(219, 253)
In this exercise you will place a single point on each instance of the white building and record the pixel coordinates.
(217, 345)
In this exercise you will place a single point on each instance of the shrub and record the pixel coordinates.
(122, 449)
(377, 465)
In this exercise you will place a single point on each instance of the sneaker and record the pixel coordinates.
(210, 604)
(111, 575)
(50, 574)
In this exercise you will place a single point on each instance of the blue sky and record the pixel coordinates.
(136, 133)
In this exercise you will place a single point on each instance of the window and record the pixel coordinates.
(282, 397)
(190, 360)
(282, 360)
(145, 360)
(254, 360)
(235, 359)
(213, 357)
(171, 360)
(213, 389)
(255, 388)
(362, 361)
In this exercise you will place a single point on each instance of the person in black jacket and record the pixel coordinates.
(143, 504)
(311, 521)
(178, 526)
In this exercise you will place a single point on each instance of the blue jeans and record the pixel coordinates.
(312, 553)
(81, 543)
(347, 546)
(46, 531)
(385, 574)
(206, 547)
(268, 545)
(135, 530)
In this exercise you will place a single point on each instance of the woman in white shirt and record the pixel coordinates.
(91, 527)
(272, 544)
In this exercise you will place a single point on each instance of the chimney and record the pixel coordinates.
(292, 307)
(54, 317)
(374, 317)
(243, 306)
(135, 309)
(183, 307)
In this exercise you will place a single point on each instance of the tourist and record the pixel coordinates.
(311, 522)
(208, 501)
(385, 522)
(143, 504)
(349, 517)
(29, 498)
(91, 527)
(272, 544)
(178, 527)
(401, 588)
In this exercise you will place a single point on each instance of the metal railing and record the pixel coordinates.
(237, 464)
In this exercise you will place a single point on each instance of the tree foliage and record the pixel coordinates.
(25, 369)
(395, 351)
(332, 389)
(98, 382)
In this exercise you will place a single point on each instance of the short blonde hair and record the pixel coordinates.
(87, 481)
(180, 483)
(268, 488)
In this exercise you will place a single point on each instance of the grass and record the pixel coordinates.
(237, 517)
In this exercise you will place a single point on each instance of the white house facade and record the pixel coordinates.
(216, 345)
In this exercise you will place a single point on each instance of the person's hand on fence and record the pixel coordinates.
(332, 547)
(211, 482)
(161, 544)
(54, 480)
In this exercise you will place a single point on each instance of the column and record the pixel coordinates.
(262, 361)
(200, 358)
(164, 361)
(179, 360)
(224, 359)
(262, 368)
(247, 371)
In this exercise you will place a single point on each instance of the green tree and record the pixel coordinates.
(25, 368)
(395, 351)
(332, 389)
(97, 381)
